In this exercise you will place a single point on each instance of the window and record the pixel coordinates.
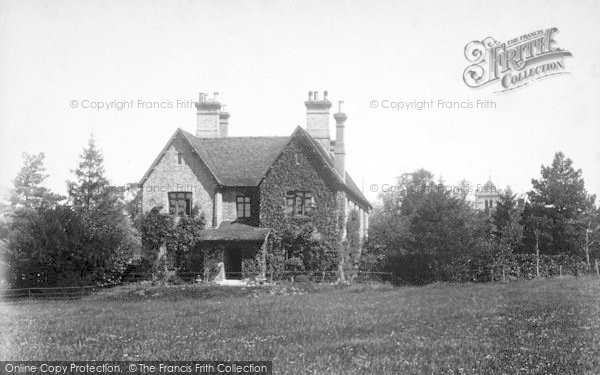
(298, 158)
(298, 203)
(242, 203)
(179, 158)
(180, 203)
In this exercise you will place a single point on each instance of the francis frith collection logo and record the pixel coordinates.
(514, 63)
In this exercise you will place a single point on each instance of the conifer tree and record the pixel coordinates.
(112, 238)
(560, 198)
(89, 190)
(28, 192)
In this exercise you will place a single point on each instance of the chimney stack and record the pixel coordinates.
(207, 116)
(224, 123)
(317, 118)
(340, 151)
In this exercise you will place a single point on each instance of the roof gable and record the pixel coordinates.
(182, 134)
(347, 183)
(245, 161)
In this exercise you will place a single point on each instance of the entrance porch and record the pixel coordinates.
(234, 251)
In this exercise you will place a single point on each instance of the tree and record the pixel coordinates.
(28, 192)
(507, 230)
(111, 233)
(590, 221)
(389, 223)
(424, 226)
(506, 219)
(5, 213)
(48, 246)
(560, 196)
(133, 207)
(90, 188)
(463, 189)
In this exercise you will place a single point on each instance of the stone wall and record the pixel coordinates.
(168, 176)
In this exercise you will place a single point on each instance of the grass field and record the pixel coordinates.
(535, 327)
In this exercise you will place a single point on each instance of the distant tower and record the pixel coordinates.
(487, 196)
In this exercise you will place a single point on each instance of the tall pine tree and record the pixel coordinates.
(112, 239)
(557, 204)
(89, 191)
(28, 192)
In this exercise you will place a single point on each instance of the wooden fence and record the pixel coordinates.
(63, 292)
(74, 292)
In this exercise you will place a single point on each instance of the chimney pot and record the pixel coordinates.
(324, 95)
(215, 94)
(340, 105)
(310, 95)
(316, 95)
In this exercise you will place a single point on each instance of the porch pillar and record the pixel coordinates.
(263, 258)
(217, 209)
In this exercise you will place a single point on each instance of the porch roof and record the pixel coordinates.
(233, 231)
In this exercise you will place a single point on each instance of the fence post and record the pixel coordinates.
(28, 293)
(597, 270)
(560, 270)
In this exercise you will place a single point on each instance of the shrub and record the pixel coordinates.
(250, 268)
(58, 246)
(157, 232)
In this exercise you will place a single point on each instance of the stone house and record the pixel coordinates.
(251, 189)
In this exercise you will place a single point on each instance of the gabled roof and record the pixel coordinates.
(348, 183)
(238, 161)
(245, 161)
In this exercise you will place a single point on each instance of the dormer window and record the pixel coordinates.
(298, 203)
(243, 206)
(180, 203)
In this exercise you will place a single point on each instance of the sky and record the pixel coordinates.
(59, 58)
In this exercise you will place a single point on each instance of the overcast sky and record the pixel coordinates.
(264, 56)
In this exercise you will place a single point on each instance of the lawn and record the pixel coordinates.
(529, 327)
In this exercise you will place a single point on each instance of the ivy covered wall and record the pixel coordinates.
(286, 175)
